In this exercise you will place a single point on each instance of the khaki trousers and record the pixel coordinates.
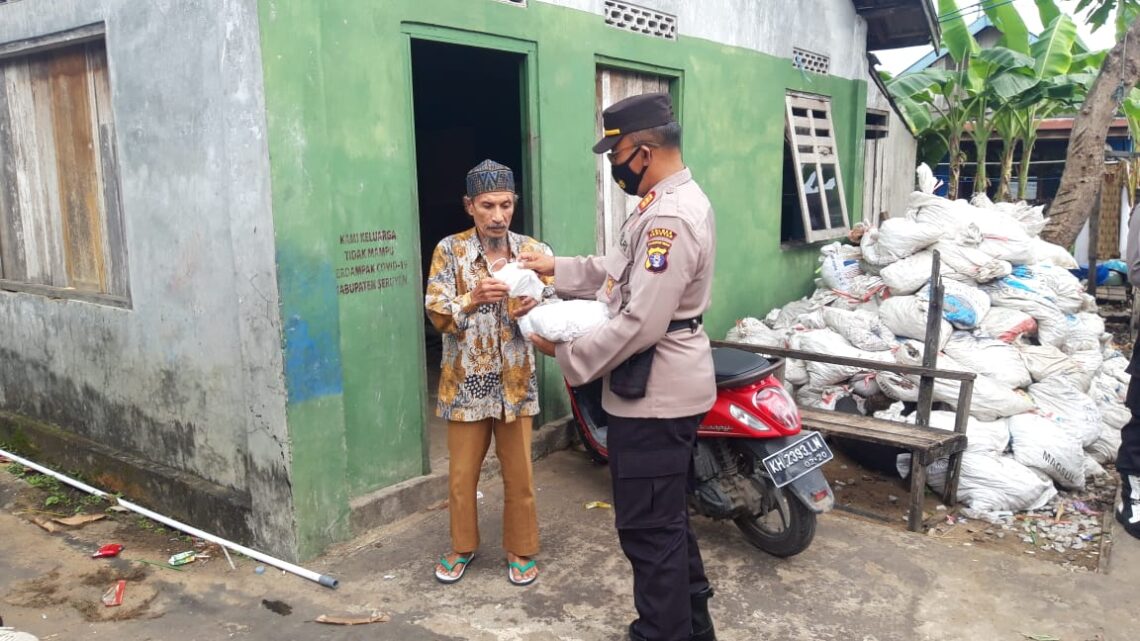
(467, 445)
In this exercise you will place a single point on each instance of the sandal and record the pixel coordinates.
(522, 568)
(445, 577)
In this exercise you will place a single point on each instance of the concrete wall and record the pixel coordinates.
(775, 27)
(341, 136)
(188, 379)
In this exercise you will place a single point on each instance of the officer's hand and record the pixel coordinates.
(542, 345)
(489, 290)
(542, 264)
(525, 304)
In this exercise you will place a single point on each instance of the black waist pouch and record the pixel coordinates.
(630, 379)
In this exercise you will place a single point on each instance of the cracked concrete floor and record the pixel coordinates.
(859, 581)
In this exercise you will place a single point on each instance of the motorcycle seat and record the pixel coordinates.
(737, 368)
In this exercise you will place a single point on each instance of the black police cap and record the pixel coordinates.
(633, 114)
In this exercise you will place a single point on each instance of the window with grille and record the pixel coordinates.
(878, 124)
(810, 61)
(814, 205)
(631, 17)
(517, 3)
(61, 227)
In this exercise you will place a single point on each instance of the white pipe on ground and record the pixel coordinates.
(327, 581)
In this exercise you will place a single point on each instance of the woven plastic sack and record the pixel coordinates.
(905, 316)
(1106, 447)
(1007, 325)
(1046, 252)
(864, 330)
(1024, 295)
(754, 332)
(908, 275)
(1049, 446)
(991, 399)
(963, 306)
(1063, 400)
(996, 483)
(991, 357)
(971, 261)
(897, 238)
(825, 341)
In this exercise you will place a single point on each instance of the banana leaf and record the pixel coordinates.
(1048, 11)
(956, 36)
(1005, 17)
(1053, 51)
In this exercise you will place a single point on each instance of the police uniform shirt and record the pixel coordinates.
(661, 270)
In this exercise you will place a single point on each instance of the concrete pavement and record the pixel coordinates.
(859, 581)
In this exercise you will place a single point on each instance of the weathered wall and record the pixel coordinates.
(343, 158)
(889, 174)
(190, 375)
(774, 27)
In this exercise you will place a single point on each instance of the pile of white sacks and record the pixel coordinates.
(1048, 401)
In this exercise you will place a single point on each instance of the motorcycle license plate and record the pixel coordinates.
(797, 459)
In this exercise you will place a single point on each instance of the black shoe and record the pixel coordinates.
(1128, 510)
(702, 620)
(634, 635)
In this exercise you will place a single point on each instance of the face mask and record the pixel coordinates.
(626, 178)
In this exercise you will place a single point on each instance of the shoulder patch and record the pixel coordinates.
(647, 201)
(657, 249)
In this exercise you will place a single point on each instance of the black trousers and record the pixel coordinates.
(1128, 458)
(651, 466)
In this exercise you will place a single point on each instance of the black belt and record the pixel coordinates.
(691, 324)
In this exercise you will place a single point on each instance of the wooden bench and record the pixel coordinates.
(926, 444)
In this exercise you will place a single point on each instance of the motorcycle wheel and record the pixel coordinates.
(590, 420)
(785, 530)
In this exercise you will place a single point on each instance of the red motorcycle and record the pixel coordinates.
(753, 462)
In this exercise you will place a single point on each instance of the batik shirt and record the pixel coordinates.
(488, 365)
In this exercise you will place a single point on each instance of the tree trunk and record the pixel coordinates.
(981, 183)
(1027, 145)
(1084, 163)
(1003, 193)
(955, 166)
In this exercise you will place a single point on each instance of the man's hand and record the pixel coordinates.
(543, 345)
(542, 264)
(489, 290)
(523, 307)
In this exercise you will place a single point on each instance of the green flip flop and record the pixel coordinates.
(445, 577)
(522, 568)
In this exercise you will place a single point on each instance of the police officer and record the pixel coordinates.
(655, 357)
(1128, 458)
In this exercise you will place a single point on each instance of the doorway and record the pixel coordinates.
(468, 106)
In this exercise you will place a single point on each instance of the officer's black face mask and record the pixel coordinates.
(627, 178)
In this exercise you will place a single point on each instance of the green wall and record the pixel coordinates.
(337, 83)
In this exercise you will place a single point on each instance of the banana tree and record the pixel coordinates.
(934, 105)
(996, 76)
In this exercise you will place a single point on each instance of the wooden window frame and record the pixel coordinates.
(818, 147)
(90, 262)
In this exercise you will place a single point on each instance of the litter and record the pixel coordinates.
(114, 594)
(259, 569)
(598, 505)
(182, 558)
(108, 551)
(375, 617)
(80, 519)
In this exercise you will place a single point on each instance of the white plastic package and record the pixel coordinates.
(523, 282)
(1049, 446)
(564, 320)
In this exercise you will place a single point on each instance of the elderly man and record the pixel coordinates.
(487, 384)
(655, 357)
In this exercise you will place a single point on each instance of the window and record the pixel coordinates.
(638, 19)
(878, 124)
(61, 228)
(814, 206)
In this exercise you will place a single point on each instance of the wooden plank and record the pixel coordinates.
(114, 240)
(930, 347)
(51, 41)
(878, 431)
(869, 365)
(11, 249)
(809, 235)
(1094, 232)
(42, 195)
(1109, 232)
(79, 188)
(917, 494)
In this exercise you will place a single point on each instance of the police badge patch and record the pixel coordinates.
(657, 249)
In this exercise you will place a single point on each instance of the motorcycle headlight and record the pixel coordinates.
(748, 419)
